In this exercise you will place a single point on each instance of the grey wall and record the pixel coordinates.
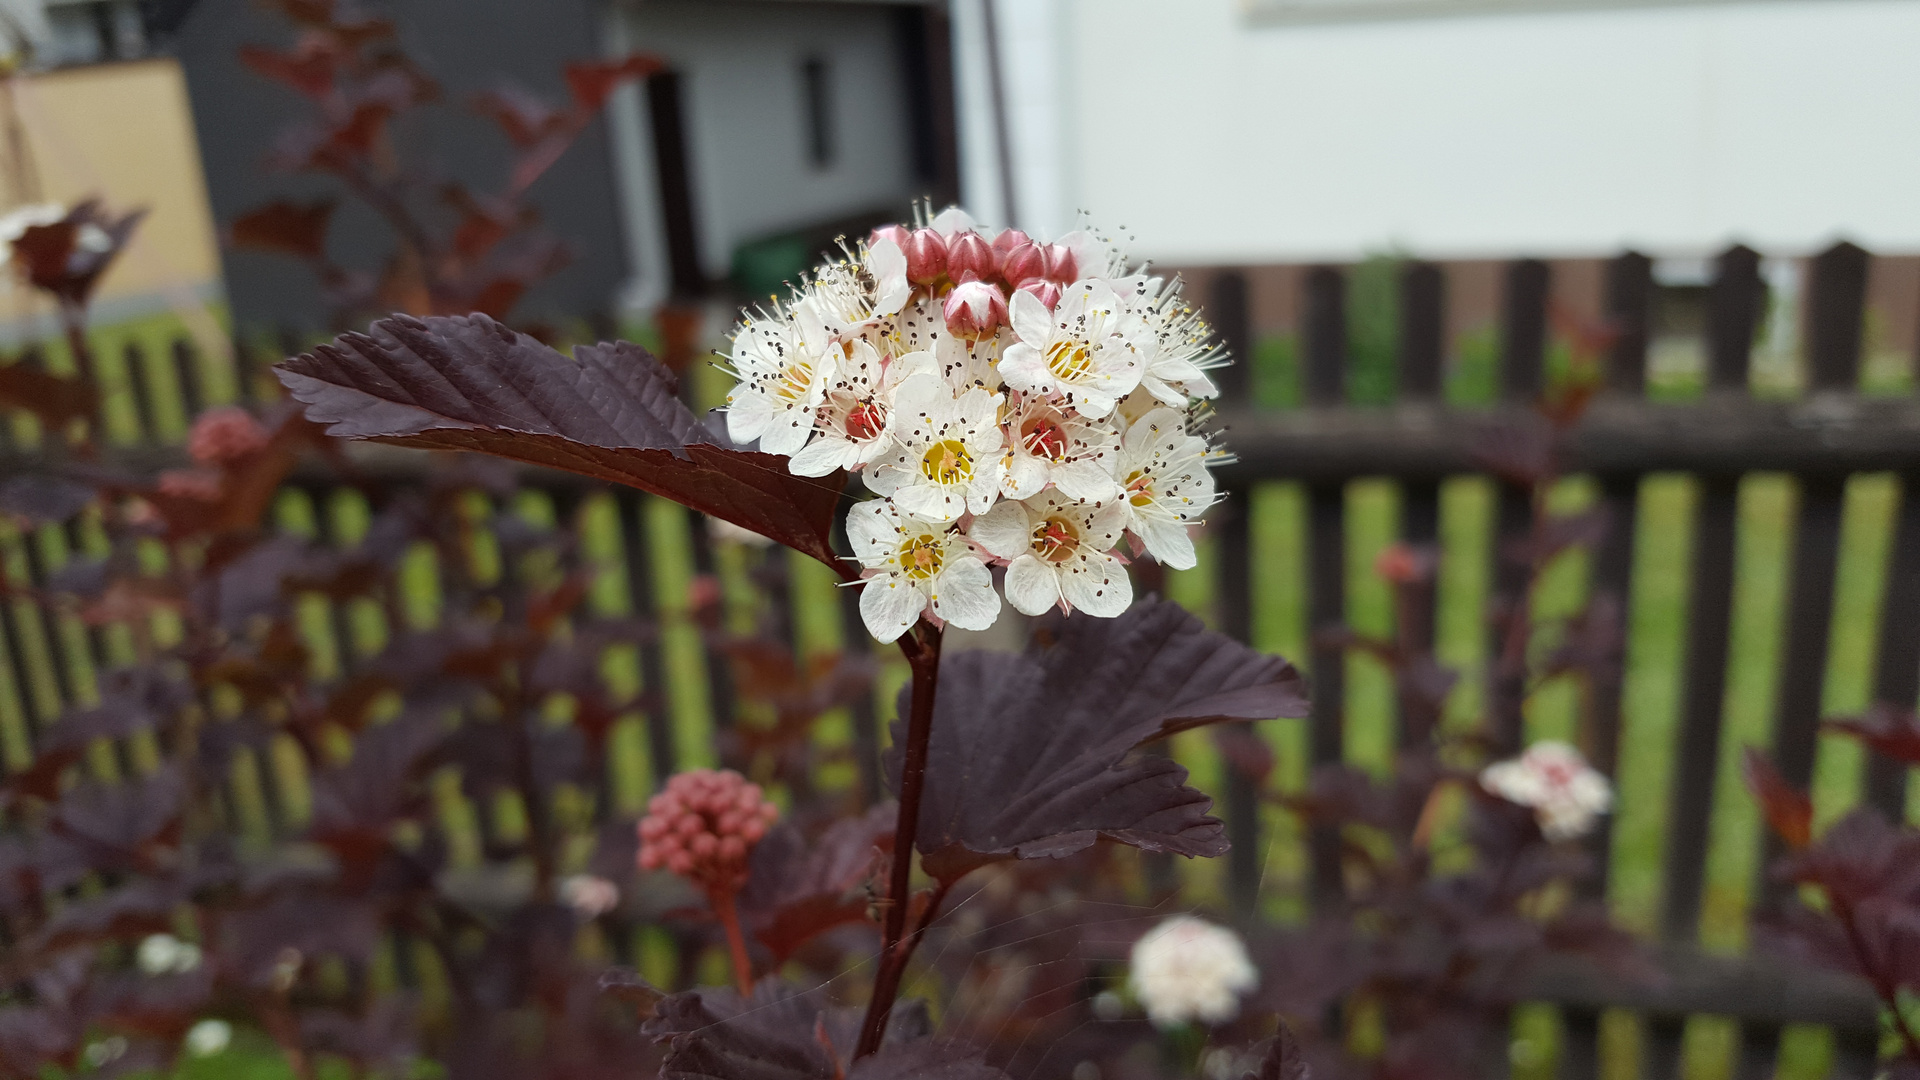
(468, 45)
(740, 69)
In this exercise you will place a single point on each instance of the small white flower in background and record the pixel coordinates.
(110, 1049)
(1565, 793)
(992, 389)
(591, 896)
(164, 954)
(1188, 969)
(209, 1037)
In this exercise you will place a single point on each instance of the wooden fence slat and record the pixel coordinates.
(1896, 679)
(1629, 300)
(1660, 1047)
(1629, 308)
(1422, 347)
(635, 545)
(1836, 298)
(1324, 335)
(140, 382)
(1758, 1049)
(186, 372)
(1579, 1045)
(1736, 301)
(1229, 311)
(1731, 318)
(1523, 356)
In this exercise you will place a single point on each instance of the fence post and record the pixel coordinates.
(1324, 336)
(1836, 297)
(1422, 345)
(1523, 350)
(1230, 525)
(1732, 316)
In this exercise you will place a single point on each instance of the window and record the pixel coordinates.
(91, 32)
(816, 98)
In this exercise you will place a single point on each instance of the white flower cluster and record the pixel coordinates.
(1565, 793)
(1188, 969)
(1010, 401)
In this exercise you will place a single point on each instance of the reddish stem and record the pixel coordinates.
(722, 900)
(923, 655)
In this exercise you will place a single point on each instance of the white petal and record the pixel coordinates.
(873, 528)
(1085, 480)
(1025, 369)
(1096, 584)
(979, 413)
(890, 606)
(932, 502)
(985, 486)
(963, 595)
(1032, 586)
(907, 365)
(1030, 318)
(748, 417)
(1025, 475)
(1168, 542)
(823, 455)
(789, 432)
(952, 220)
(888, 265)
(1002, 530)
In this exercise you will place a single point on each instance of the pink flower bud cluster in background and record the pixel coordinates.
(977, 277)
(225, 435)
(703, 827)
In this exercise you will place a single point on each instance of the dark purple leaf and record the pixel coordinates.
(781, 1033)
(1033, 756)
(796, 891)
(55, 399)
(1886, 729)
(611, 413)
(926, 1059)
(1283, 1060)
(291, 228)
(1788, 811)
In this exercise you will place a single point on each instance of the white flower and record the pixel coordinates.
(782, 363)
(914, 565)
(1184, 345)
(1049, 444)
(209, 1037)
(1566, 794)
(856, 426)
(1164, 471)
(591, 896)
(851, 297)
(946, 461)
(1061, 552)
(164, 954)
(1088, 349)
(1188, 969)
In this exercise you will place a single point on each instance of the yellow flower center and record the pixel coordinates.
(1069, 359)
(795, 378)
(1139, 488)
(920, 557)
(947, 462)
(1055, 540)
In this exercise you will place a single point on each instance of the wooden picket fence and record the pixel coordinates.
(1318, 452)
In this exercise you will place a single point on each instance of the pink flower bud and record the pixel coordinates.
(680, 863)
(1008, 240)
(895, 233)
(733, 848)
(1022, 264)
(969, 257)
(1045, 291)
(703, 845)
(1061, 265)
(975, 310)
(649, 858)
(926, 256)
(225, 435)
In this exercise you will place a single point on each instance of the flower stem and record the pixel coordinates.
(722, 901)
(923, 655)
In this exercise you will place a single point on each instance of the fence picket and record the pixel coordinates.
(1324, 334)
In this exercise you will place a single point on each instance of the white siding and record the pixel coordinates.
(1216, 137)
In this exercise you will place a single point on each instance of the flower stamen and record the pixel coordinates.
(947, 462)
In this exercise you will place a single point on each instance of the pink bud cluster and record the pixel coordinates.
(978, 277)
(703, 826)
(225, 435)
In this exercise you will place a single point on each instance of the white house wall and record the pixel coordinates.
(739, 66)
(1215, 136)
